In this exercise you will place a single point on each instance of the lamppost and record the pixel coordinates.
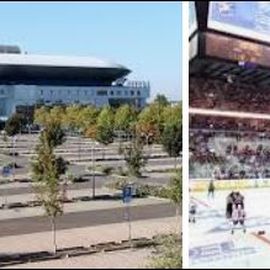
(93, 170)
(80, 135)
(14, 138)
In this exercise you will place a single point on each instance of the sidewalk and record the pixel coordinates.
(86, 236)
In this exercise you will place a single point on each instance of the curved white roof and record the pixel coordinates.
(56, 61)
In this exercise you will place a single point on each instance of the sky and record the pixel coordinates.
(145, 37)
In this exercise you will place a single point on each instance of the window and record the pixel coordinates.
(102, 93)
(138, 93)
(41, 92)
(132, 92)
(126, 93)
(112, 93)
(119, 93)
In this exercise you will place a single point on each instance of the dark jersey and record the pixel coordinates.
(211, 186)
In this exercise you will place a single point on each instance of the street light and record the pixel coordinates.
(80, 133)
(14, 138)
(93, 170)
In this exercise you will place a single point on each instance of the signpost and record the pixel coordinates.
(127, 198)
(6, 171)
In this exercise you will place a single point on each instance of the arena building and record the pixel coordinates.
(27, 81)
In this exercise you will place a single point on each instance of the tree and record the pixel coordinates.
(134, 158)
(47, 170)
(71, 117)
(125, 118)
(14, 124)
(91, 131)
(175, 194)
(172, 114)
(168, 253)
(172, 140)
(57, 114)
(171, 137)
(88, 117)
(41, 115)
(149, 123)
(46, 181)
(52, 121)
(55, 134)
(162, 100)
(104, 128)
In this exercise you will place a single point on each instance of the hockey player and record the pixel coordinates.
(239, 199)
(211, 189)
(229, 204)
(238, 217)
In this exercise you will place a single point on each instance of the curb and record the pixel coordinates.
(9, 260)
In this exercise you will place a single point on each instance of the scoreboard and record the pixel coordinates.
(192, 18)
(249, 19)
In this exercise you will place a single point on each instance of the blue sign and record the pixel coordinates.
(250, 19)
(127, 194)
(6, 171)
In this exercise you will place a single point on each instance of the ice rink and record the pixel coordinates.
(211, 242)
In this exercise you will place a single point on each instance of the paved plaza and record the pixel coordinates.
(85, 222)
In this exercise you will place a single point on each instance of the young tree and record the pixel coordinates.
(41, 115)
(162, 100)
(168, 253)
(175, 195)
(104, 128)
(14, 124)
(171, 137)
(172, 140)
(134, 158)
(46, 169)
(150, 123)
(125, 118)
(88, 117)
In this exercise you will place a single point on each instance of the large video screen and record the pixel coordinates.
(192, 18)
(238, 50)
(247, 19)
(193, 47)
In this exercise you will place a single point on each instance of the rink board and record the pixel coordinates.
(202, 184)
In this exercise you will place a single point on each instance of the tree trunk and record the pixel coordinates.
(103, 152)
(177, 219)
(53, 223)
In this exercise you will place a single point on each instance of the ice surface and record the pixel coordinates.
(211, 242)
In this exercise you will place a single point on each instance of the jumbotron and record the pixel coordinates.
(27, 81)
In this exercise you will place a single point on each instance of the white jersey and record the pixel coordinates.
(238, 214)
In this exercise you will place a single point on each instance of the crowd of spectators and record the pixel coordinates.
(229, 123)
(229, 154)
(229, 147)
(229, 96)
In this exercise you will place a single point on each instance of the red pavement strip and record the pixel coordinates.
(262, 238)
(201, 202)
